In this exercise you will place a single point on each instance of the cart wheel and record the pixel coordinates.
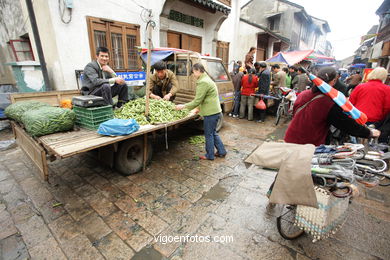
(129, 158)
(285, 223)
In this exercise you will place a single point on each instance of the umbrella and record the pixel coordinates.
(339, 99)
(358, 65)
(290, 58)
(319, 57)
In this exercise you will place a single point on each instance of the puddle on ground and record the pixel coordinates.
(216, 193)
(148, 253)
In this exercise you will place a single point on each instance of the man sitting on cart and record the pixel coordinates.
(100, 80)
(163, 83)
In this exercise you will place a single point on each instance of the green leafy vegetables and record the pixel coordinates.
(48, 120)
(197, 139)
(16, 110)
(160, 111)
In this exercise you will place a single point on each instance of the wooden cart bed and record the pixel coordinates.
(66, 144)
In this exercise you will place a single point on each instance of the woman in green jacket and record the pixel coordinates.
(207, 99)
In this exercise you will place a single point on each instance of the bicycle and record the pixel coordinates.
(285, 103)
(291, 225)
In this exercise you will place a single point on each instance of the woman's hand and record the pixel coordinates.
(179, 107)
(196, 110)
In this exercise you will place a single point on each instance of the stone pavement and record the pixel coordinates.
(87, 211)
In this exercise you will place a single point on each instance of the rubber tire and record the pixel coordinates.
(220, 122)
(128, 166)
(278, 114)
(281, 231)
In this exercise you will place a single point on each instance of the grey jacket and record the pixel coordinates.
(300, 82)
(93, 76)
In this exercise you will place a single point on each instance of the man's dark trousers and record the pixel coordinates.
(107, 92)
(158, 91)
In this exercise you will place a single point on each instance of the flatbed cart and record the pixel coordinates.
(128, 154)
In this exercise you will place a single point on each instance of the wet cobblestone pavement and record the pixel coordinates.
(88, 211)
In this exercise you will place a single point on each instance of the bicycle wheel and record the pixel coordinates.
(279, 113)
(285, 223)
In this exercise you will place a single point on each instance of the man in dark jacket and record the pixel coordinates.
(237, 92)
(100, 80)
(292, 70)
(301, 81)
(341, 86)
(264, 83)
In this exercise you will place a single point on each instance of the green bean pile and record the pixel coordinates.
(48, 120)
(160, 111)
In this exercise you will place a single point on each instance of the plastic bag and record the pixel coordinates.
(48, 120)
(261, 105)
(118, 126)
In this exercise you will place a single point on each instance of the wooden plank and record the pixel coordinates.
(75, 142)
(53, 97)
(32, 149)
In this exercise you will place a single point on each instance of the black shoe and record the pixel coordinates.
(220, 155)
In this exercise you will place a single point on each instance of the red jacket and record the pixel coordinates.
(310, 125)
(372, 98)
(248, 88)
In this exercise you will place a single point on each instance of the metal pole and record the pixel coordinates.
(38, 44)
(148, 68)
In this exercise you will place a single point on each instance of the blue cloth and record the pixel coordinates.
(156, 55)
(324, 149)
(212, 137)
(118, 127)
(236, 106)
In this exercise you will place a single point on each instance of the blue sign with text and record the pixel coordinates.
(131, 76)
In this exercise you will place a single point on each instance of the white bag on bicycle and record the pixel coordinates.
(291, 96)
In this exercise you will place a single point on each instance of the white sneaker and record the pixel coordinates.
(230, 114)
(235, 116)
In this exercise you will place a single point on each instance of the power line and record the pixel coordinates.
(138, 4)
(124, 7)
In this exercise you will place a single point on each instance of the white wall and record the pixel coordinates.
(247, 39)
(66, 46)
(241, 35)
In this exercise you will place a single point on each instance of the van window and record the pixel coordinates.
(181, 67)
(217, 71)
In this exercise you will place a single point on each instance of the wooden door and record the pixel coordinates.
(195, 44)
(173, 40)
(260, 54)
(185, 41)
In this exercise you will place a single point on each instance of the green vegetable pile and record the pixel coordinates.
(48, 120)
(197, 139)
(160, 111)
(16, 110)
